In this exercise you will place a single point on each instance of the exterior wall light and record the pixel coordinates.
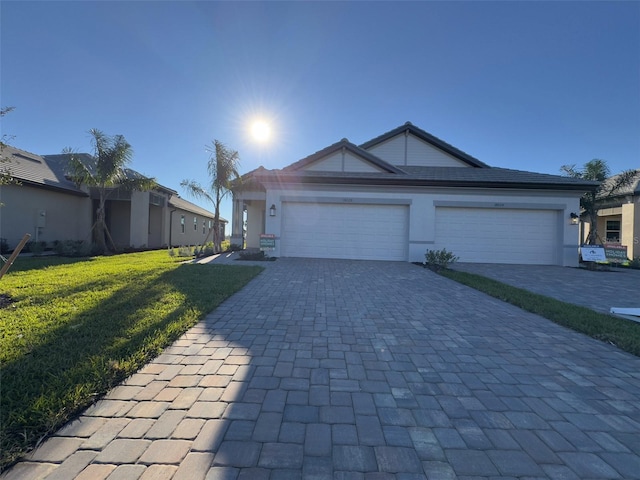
(272, 211)
(575, 218)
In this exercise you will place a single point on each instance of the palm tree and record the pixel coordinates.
(223, 170)
(598, 170)
(106, 173)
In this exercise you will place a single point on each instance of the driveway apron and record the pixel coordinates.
(330, 369)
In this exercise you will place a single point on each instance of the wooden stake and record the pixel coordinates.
(15, 254)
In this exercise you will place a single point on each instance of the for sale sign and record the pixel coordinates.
(615, 253)
(593, 253)
(267, 241)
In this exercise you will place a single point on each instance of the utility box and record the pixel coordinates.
(41, 220)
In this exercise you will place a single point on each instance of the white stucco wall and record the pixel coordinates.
(422, 210)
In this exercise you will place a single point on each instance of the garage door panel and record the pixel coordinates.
(352, 231)
(484, 235)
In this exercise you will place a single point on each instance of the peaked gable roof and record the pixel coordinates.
(633, 188)
(36, 170)
(349, 147)
(408, 127)
(481, 176)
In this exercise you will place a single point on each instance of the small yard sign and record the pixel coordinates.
(593, 253)
(267, 241)
(615, 253)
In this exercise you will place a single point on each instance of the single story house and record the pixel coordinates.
(619, 218)
(50, 207)
(404, 192)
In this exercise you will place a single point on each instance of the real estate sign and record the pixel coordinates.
(593, 253)
(615, 253)
(267, 241)
(608, 252)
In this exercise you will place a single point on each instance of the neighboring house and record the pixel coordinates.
(51, 207)
(619, 218)
(404, 192)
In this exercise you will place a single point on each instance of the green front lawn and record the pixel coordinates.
(78, 327)
(625, 334)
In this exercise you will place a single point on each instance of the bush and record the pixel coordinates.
(185, 251)
(226, 246)
(635, 263)
(256, 255)
(76, 248)
(234, 247)
(4, 246)
(439, 259)
(34, 247)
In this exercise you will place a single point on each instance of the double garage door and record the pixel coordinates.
(345, 230)
(487, 235)
(380, 232)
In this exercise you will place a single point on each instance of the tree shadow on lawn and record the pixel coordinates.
(78, 362)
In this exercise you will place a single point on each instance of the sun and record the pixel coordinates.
(261, 131)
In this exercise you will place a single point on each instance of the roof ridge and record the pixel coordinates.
(429, 138)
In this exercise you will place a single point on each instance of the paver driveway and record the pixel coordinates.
(327, 369)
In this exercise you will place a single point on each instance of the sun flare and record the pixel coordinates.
(260, 131)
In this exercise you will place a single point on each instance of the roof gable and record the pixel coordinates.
(36, 170)
(345, 157)
(412, 146)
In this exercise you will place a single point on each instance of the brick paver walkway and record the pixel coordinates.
(326, 369)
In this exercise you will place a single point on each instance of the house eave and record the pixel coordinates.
(416, 182)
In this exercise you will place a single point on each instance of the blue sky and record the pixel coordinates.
(522, 85)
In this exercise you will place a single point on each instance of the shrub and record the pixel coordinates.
(34, 247)
(77, 248)
(439, 259)
(4, 245)
(226, 246)
(635, 263)
(172, 252)
(185, 251)
(207, 250)
(258, 255)
(234, 247)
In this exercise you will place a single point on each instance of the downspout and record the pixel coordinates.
(171, 226)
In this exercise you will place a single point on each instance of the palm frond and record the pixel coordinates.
(78, 172)
(196, 190)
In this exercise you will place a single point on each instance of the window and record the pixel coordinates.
(613, 231)
(195, 223)
(209, 225)
(181, 223)
(204, 226)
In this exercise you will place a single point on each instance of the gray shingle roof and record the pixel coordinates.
(631, 189)
(182, 204)
(431, 176)
(36, 170)
(350, 147)
(478, 174)
(49, 171)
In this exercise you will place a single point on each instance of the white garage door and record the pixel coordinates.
(484, 235)
(350, 231)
